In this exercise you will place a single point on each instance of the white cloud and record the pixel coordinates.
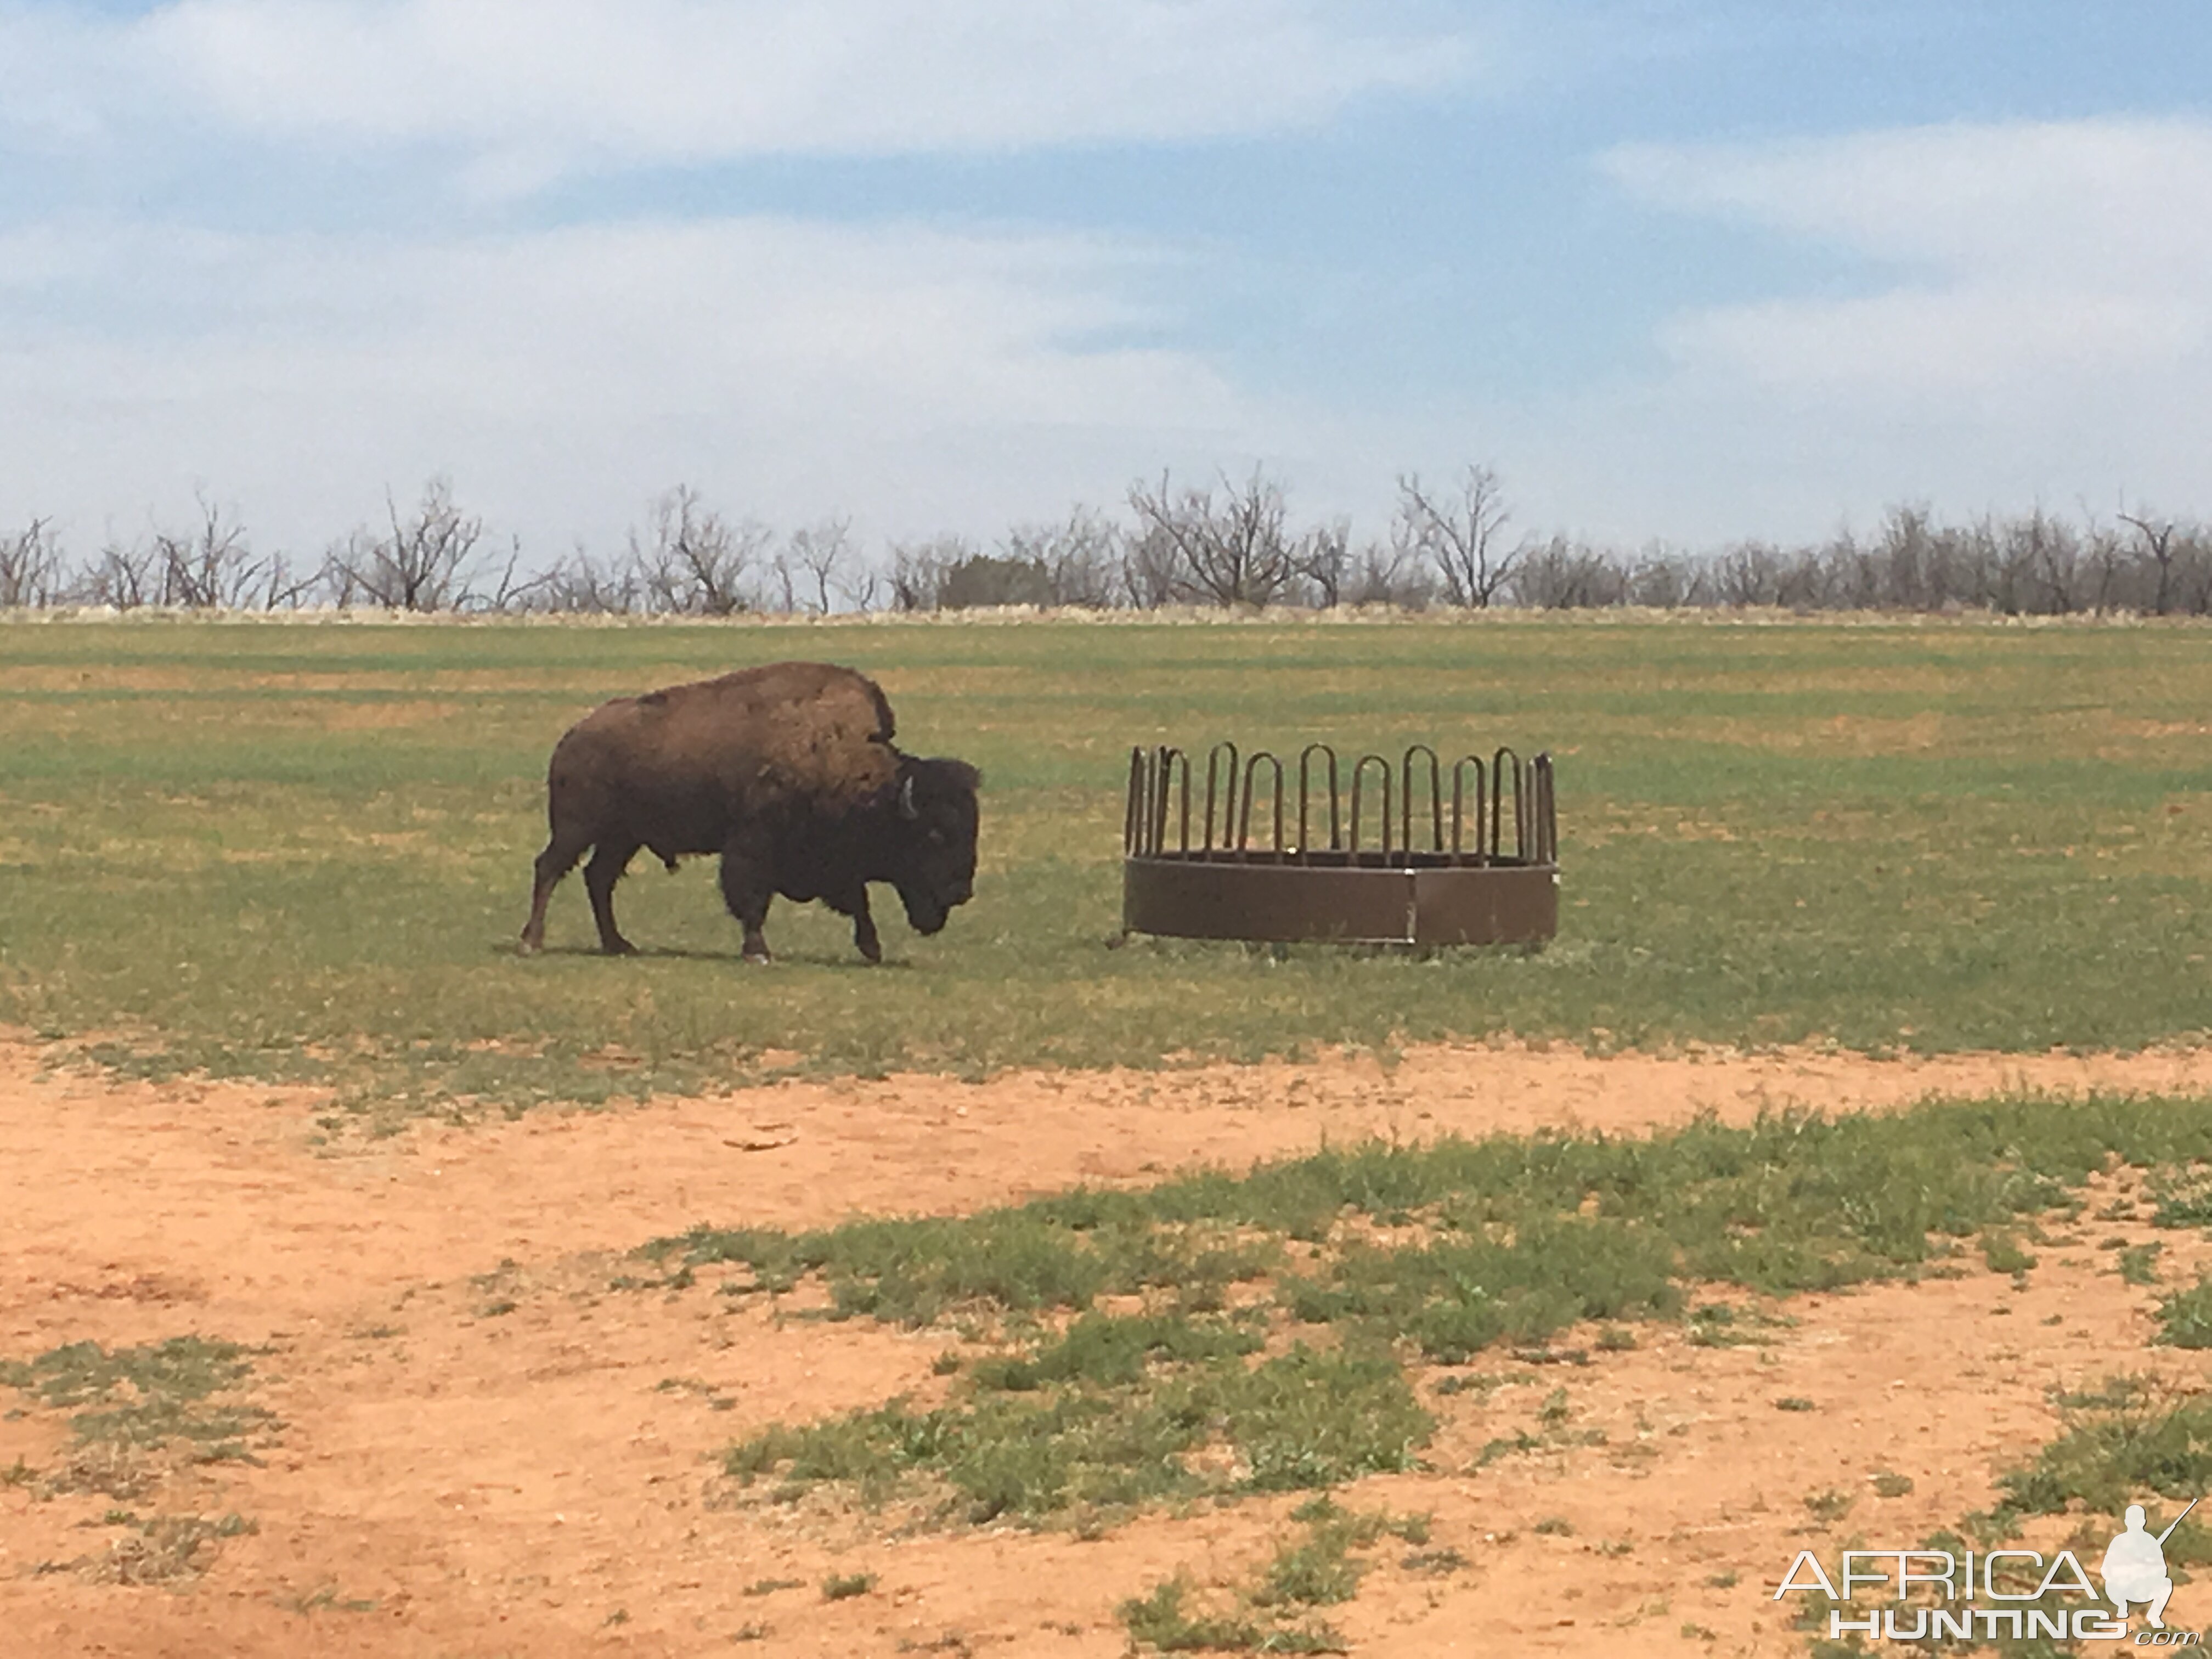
(2028, 318)
(527, 89)
(919, 378)
(2034, 256)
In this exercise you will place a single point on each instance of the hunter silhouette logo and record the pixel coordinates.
(2135, 1566)
(1986, 1596)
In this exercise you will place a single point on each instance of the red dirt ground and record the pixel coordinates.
(453, 1480)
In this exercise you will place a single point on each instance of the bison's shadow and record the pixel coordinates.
(736, 958)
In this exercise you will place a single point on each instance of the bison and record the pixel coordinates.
(788, 772)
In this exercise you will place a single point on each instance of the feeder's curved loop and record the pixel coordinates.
(1359, 773)
(1229, 801)
(1436, 800)
(1244, 817)
(1459, 804)
(1500, 775)
(1335, 833)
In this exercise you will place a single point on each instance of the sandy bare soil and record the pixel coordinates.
(487, 1451)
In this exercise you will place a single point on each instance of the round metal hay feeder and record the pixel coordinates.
(1429, 867)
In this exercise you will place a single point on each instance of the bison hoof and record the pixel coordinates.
(758, 958)
(529, 947)
(617, 947)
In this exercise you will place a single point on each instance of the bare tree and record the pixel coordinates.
(1559, 575)
(2156, 543)
(693, 562)
(1234, 551)
(823, 554)
(580, 584)
(426, 561)
(1080, 557)
(916, 576)
(125, 577)
(1389, 573)
(1461, 536)
(1323, 559)
(30, 565)
(210, 567)
(281, 587)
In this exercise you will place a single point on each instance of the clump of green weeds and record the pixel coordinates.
(1275, 1613)
(1194, 1418)
(2184, 1316)
(2139, 1266)
(147, 1397)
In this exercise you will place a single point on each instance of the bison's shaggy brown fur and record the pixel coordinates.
(788, 772)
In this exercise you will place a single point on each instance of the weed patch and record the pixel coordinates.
(1187, 1425)
(1501, 1241)
(1274, 1613)
(143, 1396)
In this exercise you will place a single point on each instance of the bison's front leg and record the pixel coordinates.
(747, 893)
(854, 903)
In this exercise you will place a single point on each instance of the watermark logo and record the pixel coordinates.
(2135, 1566)
(1933, 1594)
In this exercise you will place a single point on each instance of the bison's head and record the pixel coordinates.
(936, 819)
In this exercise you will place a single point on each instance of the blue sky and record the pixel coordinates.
(1678, 271)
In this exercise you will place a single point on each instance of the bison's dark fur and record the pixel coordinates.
(788, 772)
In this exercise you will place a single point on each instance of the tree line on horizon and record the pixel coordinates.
(1228, 542)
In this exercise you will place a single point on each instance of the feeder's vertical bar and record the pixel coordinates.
(1183, 831)
(1547, 810)
(1229, 805)
(1436, 800)
(1164, 760)
(1133, 816)
(1278, 767)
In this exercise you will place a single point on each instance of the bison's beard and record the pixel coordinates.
(923, 911)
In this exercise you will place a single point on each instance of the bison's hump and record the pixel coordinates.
(796, 731)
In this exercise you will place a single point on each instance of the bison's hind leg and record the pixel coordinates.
(558, 859)
(600, 876)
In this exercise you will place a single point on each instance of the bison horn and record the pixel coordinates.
(907, 808)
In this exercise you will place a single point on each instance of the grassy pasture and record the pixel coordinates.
(300, 850)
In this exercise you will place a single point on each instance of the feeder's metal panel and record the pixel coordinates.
(1241, 854)
(1500, 906)
(1271, 902)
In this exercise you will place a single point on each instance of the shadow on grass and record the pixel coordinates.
(735, 959)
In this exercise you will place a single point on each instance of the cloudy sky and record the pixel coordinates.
(1691, 271)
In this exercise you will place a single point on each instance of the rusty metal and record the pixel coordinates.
(1396, 875)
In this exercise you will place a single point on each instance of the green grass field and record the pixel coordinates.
(301, 850)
